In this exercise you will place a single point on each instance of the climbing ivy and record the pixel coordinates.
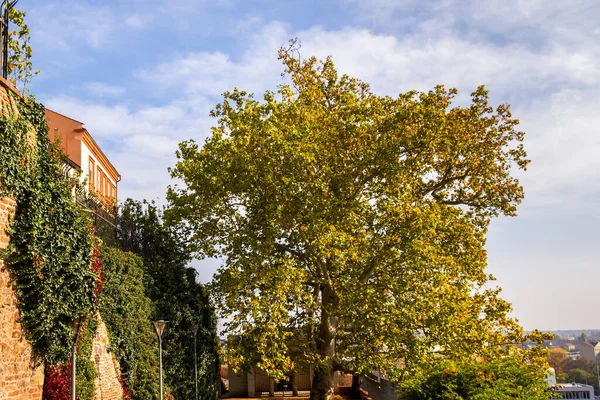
(127, 313)
(50, 252)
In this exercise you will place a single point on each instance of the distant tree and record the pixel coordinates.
(476, 379)
(579, 371)
(176, 296)
(358, 219)
(557, 359)
(580, 375)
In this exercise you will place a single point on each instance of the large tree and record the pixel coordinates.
(353, 225)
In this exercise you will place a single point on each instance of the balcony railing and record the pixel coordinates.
(103, 212)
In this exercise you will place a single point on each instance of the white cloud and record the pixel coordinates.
(138, 21)
(564, 144)
(69, 24)
(209, 74)
(563, 20)
(560, 122)
(104, 89)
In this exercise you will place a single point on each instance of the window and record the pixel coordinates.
(102, 184)
(91, 174)
(99, 180)
(113, 192)
(106, 186)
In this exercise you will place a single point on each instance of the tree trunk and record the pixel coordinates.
(294, 384)
(322, 386)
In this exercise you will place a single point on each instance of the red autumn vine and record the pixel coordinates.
(126, 391)
(57, 385)
(97, 270)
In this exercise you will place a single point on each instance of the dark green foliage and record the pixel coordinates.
(176, 297)
(50, 252)
(127, 313)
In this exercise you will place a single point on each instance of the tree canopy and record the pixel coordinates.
(353, 224)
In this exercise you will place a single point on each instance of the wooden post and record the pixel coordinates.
(271, 387)
(251, 383)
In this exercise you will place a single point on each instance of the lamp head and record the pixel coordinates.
(159, 327)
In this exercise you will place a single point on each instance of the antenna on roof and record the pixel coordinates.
(7, 5)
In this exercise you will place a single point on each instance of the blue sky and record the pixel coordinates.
(143, 74)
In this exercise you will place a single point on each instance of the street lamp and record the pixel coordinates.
(159, 328)
(5, 8)
(196, 359)
(76, 328)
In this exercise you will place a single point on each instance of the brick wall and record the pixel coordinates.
(18, 377)
(107, 385)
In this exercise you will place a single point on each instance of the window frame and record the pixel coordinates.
(100, 174)
(91, 173)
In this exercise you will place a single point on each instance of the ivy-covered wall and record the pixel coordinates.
(127, 313)
(19, 379)
(50, 253)
(47, 264)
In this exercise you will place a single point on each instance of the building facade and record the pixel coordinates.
(85, 156)
(572, 391)
(580, 349)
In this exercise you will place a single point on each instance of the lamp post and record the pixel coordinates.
(196, 360)
(5, 8)
(159, 328)
(76, 328)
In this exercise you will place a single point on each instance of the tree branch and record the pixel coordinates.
(286, 249)
(444, 183)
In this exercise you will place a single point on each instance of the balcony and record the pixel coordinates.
(103, 212)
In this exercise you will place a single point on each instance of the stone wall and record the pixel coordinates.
(106, 385)
(18, 377)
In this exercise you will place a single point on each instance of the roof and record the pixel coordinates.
(72, 132)
(64, 116)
